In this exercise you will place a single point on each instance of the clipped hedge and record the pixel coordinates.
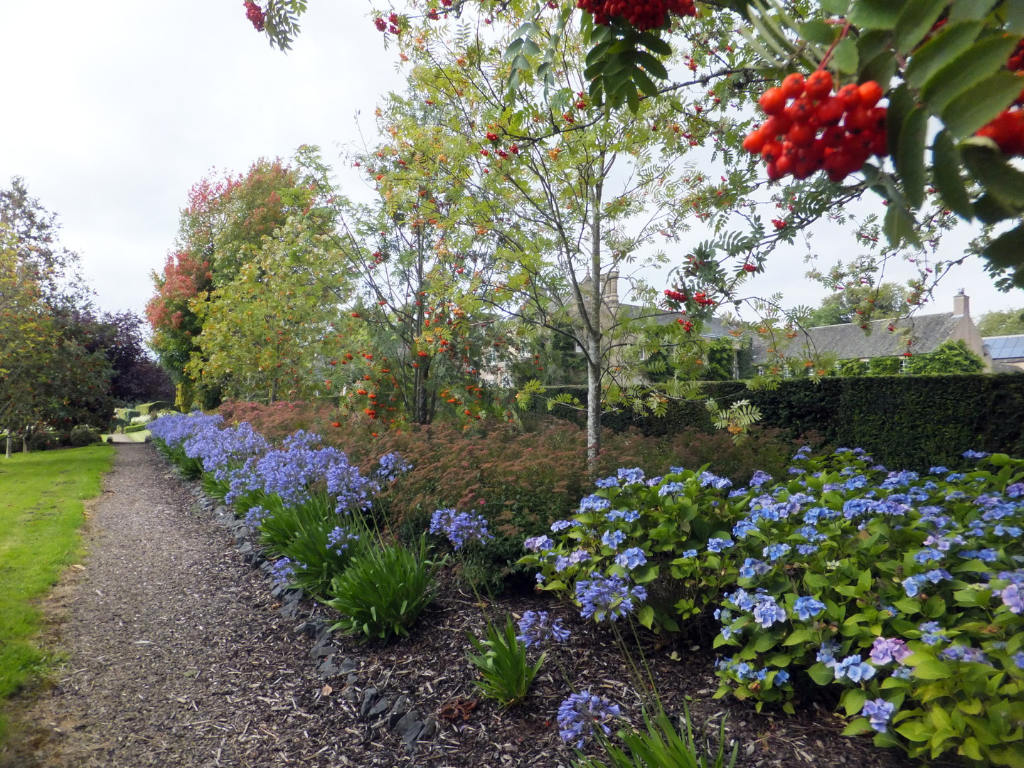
(911, 422)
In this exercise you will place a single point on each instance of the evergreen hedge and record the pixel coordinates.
(906, 422)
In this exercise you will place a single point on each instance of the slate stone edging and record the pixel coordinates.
(377, 709)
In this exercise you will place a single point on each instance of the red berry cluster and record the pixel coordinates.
(809, 129)
(254, 14)
(642, 14)
(675, 296)
(1007, 128)
(391, 25)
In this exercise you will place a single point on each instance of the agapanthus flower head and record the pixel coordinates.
(283, 571)
(255, 516)
(536, 628)
(461, 528)
(340, 538)
(391, 466)
(582, 713)
(608, 597)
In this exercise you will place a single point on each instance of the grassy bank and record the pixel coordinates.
(41, 511)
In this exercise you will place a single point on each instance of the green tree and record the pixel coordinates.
(1007, 322)
(859, 304)
(948, 357)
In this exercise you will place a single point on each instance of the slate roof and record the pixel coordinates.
(850, 342)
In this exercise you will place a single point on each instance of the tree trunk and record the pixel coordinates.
(594, 335)
(8, 445)
(420, 415)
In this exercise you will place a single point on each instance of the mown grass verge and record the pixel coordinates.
(41, 511)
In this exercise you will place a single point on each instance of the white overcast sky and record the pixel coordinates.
(113, 109)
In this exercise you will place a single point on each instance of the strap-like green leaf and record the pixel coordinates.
(909, 155)
(946, 176)
(952, 41)
(981, 103)
(916, 21)
(976, 64)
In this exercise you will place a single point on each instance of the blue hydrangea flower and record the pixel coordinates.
(760, 478)
(629, 476)
(536, 627)
(581, 713)
(827, 652)
(708, 478)
(593, 503)
(781, 677)
(964, 653)
(743, 528)
(775, 551)
(718, 544)
(575, 557)
(613, 539)
(768, 612)
(933, 633)
(975, 455)
(631, 558)
(807, 608)
(878, 712)
(539, 543)
(608, 597)
(607, 482)
(1013, 598)
(853, 668)
(752, 567)
(884, 650)
(560, 525)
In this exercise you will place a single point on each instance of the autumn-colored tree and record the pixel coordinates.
(222, 228)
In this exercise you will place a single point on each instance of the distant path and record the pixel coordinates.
(178, 656)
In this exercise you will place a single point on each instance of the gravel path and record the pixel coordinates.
(201, 672)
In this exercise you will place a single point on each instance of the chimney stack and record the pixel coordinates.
(610, 292)
(961, 304)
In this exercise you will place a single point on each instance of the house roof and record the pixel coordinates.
(1005, 347)
(851, 342)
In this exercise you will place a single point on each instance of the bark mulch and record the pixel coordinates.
(177, 654)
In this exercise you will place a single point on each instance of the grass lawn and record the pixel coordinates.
(41, 510)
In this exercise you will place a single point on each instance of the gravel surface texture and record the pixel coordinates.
(179, 654)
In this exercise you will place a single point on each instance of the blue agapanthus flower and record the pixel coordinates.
(582, 713)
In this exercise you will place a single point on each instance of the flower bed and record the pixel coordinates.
(903, 591)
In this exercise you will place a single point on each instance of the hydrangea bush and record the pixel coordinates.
(905, 590)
